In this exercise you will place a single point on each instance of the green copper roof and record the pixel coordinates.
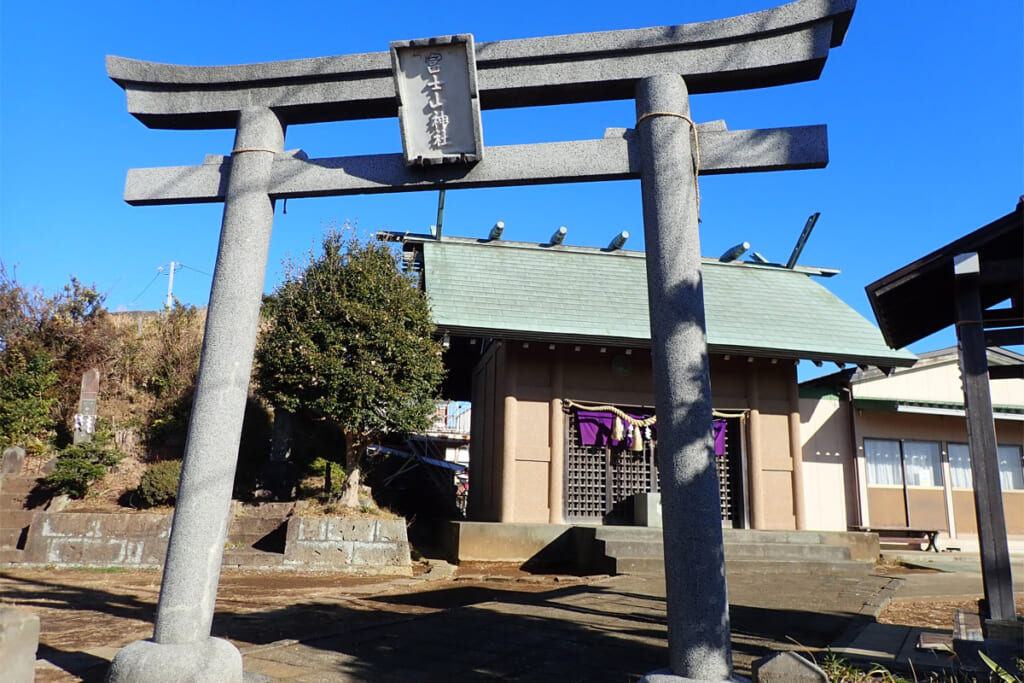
(530, 292)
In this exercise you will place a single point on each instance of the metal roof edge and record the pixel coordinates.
(636, 342)
(895, 405)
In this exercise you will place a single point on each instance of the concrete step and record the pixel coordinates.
(627, 533)
(639, 550)
(15, 518)
(255, 525)
(11, 555)
(10, 538)
(781, 551)
(14, 501)
(787, 551)
(247, 558)
(650, 566)
(266, 533)
(835, 568)
(634, 548)
(16, 484)
(241, 510)
(765, 536)
(644, 566)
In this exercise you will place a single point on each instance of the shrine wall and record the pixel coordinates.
(522, 376)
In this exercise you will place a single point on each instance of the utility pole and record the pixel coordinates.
(170, 286)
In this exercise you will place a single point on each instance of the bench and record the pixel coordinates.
(903, 535)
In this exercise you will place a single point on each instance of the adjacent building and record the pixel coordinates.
(898, 443)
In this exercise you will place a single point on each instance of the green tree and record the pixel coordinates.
(26, 395)
(46, 343)
(349, 339)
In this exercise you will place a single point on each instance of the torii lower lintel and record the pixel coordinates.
(610, 158)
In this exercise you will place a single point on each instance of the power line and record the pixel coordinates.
(158, 271)
(201, 272)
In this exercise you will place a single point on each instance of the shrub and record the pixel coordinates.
(159, 485)
(79, 467)
(335, 475)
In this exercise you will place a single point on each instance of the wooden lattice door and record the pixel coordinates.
(600, 481)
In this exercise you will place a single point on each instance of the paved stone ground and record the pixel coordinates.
(435, 627)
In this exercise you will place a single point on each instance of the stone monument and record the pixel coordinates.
(85, 418)
(658, 67)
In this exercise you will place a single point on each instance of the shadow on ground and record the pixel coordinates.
(610, 630)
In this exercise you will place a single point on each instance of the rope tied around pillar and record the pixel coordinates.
(253, 149)
(696, 146)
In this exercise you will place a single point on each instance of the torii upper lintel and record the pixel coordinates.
(786, 44)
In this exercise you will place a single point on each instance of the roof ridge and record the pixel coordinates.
(819, 271)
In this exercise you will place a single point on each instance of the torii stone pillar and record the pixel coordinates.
(698, 610)
(182, 649)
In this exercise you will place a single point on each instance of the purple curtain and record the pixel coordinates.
(596, 430)
(718, 428)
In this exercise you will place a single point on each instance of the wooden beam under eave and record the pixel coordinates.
(1014, 371)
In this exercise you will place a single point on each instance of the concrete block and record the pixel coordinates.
(351, 529)
(19, 640)
(391, 531)
(493, 542)
(320, 554)
(647, 509)
(379, 554)
(787, 667)
(863, 546)
(308, 529)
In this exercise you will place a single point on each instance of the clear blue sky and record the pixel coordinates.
(923, 102)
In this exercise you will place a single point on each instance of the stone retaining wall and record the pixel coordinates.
(368, 546)
(97, 540)
(138, 540)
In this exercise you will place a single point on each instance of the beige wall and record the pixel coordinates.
(518, 462)
(830, 479)
(937, 382)
(942, 507)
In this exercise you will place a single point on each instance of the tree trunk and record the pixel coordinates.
(350, 490)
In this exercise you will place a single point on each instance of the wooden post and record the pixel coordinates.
(796, 453)
(757, 491)
(981, 438)
(510, 423)
(556, 442)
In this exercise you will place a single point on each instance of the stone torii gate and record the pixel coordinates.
(656, 66)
